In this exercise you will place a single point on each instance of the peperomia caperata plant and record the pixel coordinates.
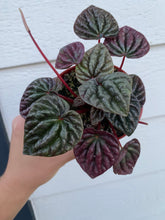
(92, 104)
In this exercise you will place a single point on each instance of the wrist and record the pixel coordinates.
(14, 185)
(12, 197)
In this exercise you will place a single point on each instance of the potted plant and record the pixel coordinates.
(92, 104)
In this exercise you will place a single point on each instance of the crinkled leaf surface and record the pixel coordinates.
(128, 42)
(95, 61)
(110, 93)
(51, 128)
(78, 102)
(129, 123)
(69, 55)
(37, 89)
(138, 89)
(127, 158)
(96, 115)
(96, 152)
(95, 23)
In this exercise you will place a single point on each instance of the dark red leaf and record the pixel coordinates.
(128, 42)
(97, 151)
(127, 158)
(69, 55)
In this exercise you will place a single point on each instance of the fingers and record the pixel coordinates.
(17, 138)
(18, 125)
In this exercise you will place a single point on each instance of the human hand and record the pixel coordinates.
(24, 173)
(30, 171)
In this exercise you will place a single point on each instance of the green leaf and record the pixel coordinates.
(77, 102)
(96, 152)
(129, 123)
(95, 61)
(95, 23)
(96, 115)
(110, 93)
(127, 158)
(37, 89)
(138, 89)
(51, 128)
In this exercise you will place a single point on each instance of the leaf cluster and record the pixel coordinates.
(108, 105)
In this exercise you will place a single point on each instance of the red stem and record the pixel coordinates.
(46, 59)
(122, 63)
(81, 111)
(66, 98)
(114, 132)
(98, 41)
(143, 123)
(99, 126)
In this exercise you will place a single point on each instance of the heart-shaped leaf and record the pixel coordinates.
(128, 42)
(129, 123)
(95, 61)
(110, 93)
(51, 128)
(37, 89)
(95, 23)
(69, 55)
(96, 115)
(138, 89)
(127, 158)
(96, 152)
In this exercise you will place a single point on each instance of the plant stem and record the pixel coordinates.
(81, 111)
(114, 133)
(66, 98)
(99, 126)
(143, 123)
(122, 63)
(41, 52)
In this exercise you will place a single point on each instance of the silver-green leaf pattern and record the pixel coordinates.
(129, 123)
(138, 89)
(96, 115)
(51, 128)
(37, 89)
(95, 23)
(110, 93)
(95, 61)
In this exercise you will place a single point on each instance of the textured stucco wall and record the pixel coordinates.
(72, 195)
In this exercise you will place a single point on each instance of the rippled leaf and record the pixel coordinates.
(110, 93)
(96, 115)
(78, 102)
(127, 158)
(129, 123)
(37, 89)
(95, 61)
(129, 43)
(138, 89)
(95, 23)
(96, 152)
(69, 55)
(51, 128)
